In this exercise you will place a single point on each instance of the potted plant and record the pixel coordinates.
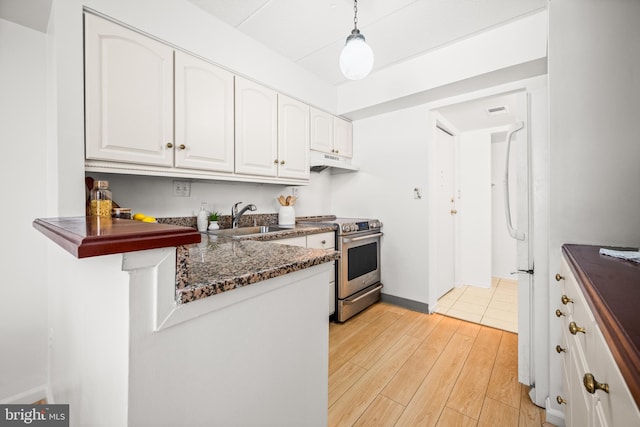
(213, 220)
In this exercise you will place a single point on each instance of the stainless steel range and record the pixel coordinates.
(358, 274)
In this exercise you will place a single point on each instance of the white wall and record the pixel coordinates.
(594, 87)
(154, 196)
(23, 306)
(392, 153)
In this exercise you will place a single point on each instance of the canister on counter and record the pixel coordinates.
(101, 203)
(121, 213)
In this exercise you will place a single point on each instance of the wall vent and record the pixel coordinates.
(494, 111)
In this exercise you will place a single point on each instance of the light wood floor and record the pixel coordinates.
(393, 367)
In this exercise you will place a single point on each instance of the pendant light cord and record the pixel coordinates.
(355, 14)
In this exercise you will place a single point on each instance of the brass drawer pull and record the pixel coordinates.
(169, 145)
(559, 313)
(182, 146)
(560, 349)
(592, 385)
(565, 299)
(560, 400)
(559, 277)
(574, 329)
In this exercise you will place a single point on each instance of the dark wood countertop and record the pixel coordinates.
(612, 289)
(86, 237)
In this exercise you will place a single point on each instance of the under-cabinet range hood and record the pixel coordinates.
(320, 161)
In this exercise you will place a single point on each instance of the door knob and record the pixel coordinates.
(169, 145)
(454, 211)
(560, 349)
(565, 299)
(559, 277)
(574, 329)
(182, 146)
(559, 313)
(592, 385)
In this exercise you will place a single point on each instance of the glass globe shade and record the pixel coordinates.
(356, 59)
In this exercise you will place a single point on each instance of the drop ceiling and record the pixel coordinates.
(311, 33)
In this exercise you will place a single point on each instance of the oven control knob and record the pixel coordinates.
(345, 228)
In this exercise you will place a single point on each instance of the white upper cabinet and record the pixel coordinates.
(342, 137)
(204, 122)
(330, 134)
(128, 95)
(293, 138)
(256, 127)
(321, 131)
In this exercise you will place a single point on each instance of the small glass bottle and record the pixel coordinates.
(101, 203)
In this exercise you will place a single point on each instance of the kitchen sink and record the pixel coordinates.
(249, 231)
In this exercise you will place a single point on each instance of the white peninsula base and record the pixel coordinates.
(254, 356)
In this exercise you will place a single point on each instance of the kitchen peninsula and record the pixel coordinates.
(134, 355)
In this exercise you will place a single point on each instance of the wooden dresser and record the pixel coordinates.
(599, 314)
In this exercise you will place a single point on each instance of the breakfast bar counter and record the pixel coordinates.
(222, 263)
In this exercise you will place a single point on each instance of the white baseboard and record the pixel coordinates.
(28, 396)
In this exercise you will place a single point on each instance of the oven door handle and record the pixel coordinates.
(355, 239)
(353, 301)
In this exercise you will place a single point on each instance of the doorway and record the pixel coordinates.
(485, 260)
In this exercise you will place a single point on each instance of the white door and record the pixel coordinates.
(342, 137)
(521, 230)
(129, 95)
(293, 138)
(256, 129)
(203, 115)
(321, 131)
(445, 218)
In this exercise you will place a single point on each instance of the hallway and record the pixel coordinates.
(496, 307)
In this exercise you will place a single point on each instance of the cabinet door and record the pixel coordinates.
(342, 137)
(203, 115)
(321, 131)
(293, 138)
(321, 241)
(256, 151)
(128, 95)
(292, 241)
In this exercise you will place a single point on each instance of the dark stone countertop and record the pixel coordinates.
(221, 263)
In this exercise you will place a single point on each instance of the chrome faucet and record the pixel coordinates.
(235, 215)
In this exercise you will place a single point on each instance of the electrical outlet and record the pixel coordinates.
(181, 189)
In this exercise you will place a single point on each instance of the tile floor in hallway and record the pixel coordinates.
(496, 306)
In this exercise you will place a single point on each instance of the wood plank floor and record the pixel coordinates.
(389, 366)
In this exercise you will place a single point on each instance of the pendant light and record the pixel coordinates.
(356, 59)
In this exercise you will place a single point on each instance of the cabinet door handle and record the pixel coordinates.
(169, 145)
(565, 299)
(182, 146)
(337, 151)
(560, 400)
(560, 349)
(574, 329)
(324, 242)
(275, 162)
(592, 385)
(282, 162)
(559, 313)
(559, 277)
